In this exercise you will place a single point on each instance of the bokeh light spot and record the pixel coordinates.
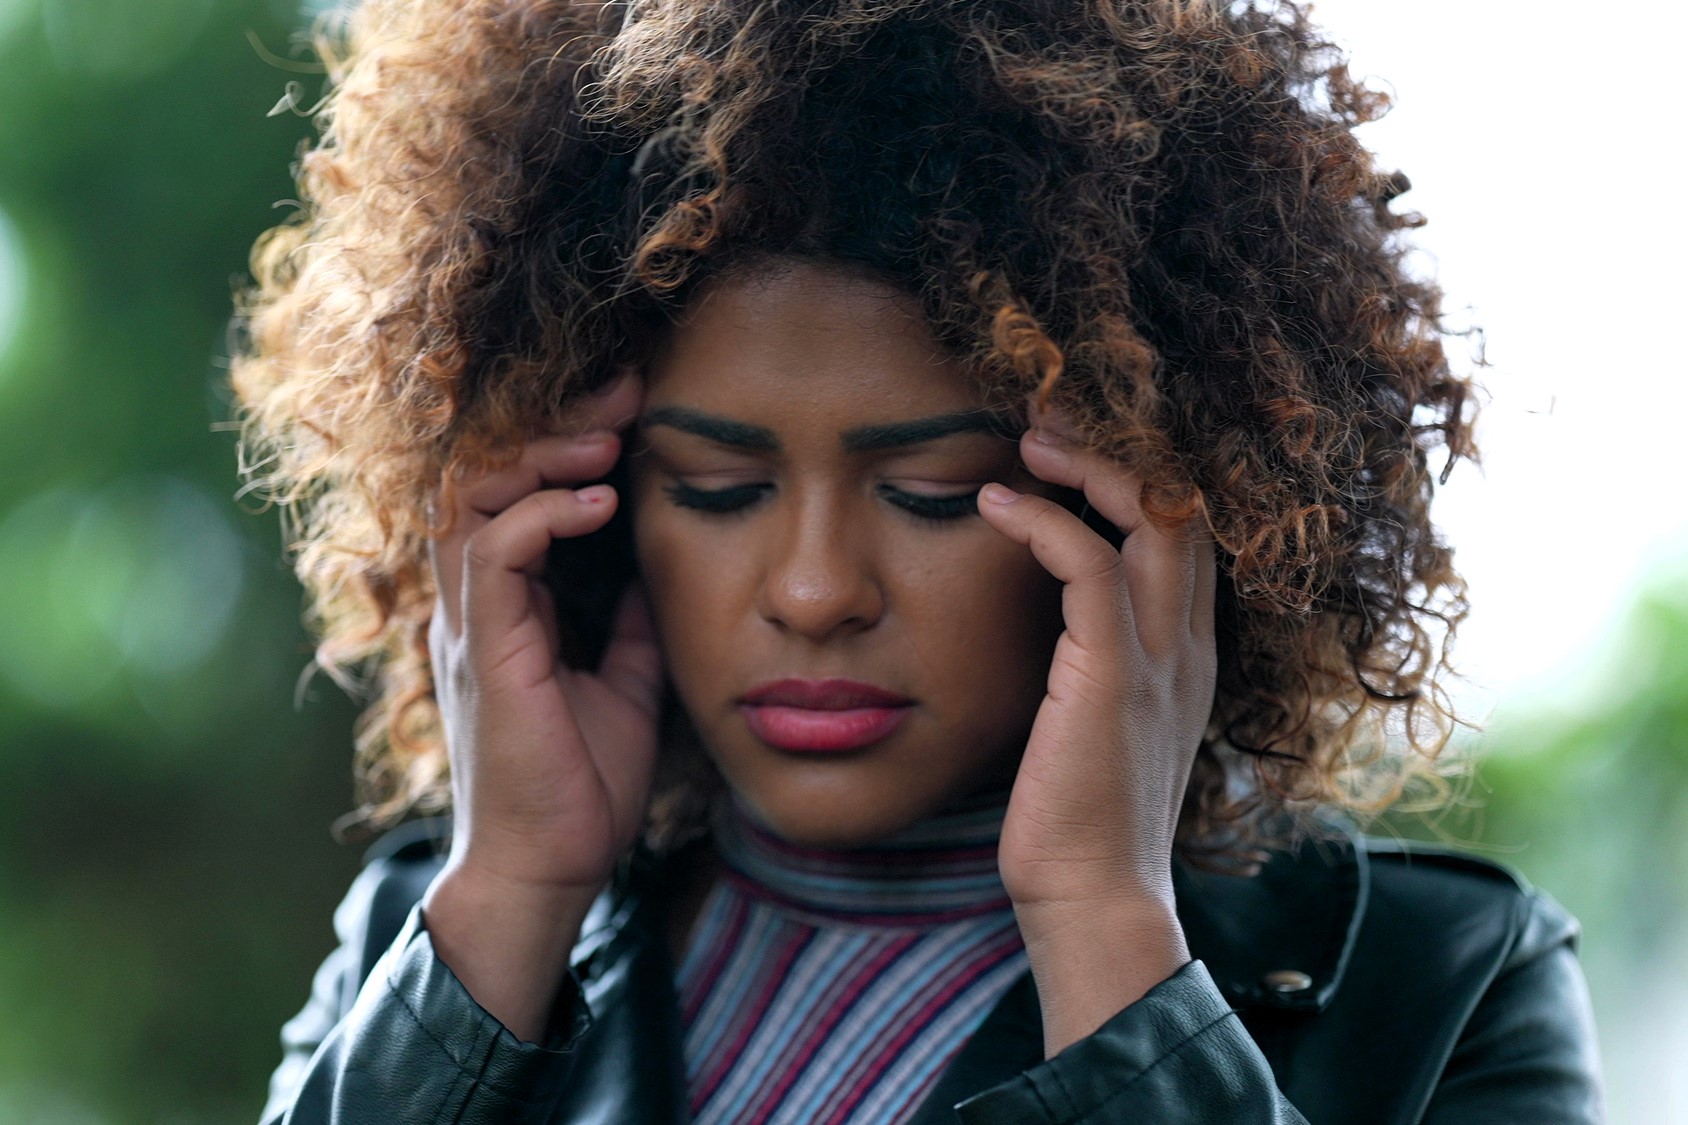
(131, 583)
(13, 276)
(13, 14)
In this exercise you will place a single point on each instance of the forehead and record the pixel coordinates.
(805, 339)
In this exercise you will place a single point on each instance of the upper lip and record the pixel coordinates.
(822, 695)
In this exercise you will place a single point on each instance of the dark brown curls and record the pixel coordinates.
(1152, 213)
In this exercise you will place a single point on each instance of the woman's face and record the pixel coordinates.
(803, 482)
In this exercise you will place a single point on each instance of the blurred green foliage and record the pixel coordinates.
(166, 869)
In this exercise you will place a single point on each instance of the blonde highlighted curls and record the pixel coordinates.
(1152, 213)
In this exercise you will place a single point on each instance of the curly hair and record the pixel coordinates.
(1153, 213)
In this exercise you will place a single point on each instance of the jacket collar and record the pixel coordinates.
(1258, 936)
(1277, 940)
(1281, 939)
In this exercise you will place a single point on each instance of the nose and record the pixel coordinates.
(820, 580)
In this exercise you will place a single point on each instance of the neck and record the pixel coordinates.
(937, 870)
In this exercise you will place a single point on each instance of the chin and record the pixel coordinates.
(821, 821)
(826, 804)
(838, 808)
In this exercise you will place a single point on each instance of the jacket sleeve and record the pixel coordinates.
(1528, 1051)
(1180, 1046)
(406, 1042)
(1525, 1053)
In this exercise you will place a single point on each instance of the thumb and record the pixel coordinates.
(632, 664)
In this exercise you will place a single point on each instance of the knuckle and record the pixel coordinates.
(1050, 519)
(1149, 695)
(480, 550)
(1103, 565)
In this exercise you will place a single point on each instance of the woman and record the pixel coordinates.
(908, 523)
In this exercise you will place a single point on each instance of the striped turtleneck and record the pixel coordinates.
(824, 986)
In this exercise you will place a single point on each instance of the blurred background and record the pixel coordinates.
(166, 866)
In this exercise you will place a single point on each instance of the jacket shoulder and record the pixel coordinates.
(422, 840)
(1429, 880)
(399, 866)
(1437, 857)
(397, 869)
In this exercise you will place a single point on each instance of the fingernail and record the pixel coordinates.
(998, 494)
(595, 494)
(1047, 437)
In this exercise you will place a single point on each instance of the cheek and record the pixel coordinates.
(989, 599)
(689, 584)
(660, 540)
(661, 549)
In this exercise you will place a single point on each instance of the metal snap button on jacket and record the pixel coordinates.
(1284, 981)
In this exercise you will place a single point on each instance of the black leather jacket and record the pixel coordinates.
(1351, 982)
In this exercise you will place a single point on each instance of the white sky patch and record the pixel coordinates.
(1541, 162)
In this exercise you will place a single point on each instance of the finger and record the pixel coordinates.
(1160, 567)
(553, 459)
(544, 603)
(1162, 571)
(612, 407)
(501, 558)
(447, 565)
(545, 461)
(632, 663)
(438, 638)
(1095, 601)
(1111, 488)
(1207, 584)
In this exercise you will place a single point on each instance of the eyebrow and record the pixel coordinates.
(861, 439)
(725, 431)
(915, 431)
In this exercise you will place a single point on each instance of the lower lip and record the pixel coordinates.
(811, 731)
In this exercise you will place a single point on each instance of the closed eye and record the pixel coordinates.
(718, 501)
(935, 508)
(738, 498)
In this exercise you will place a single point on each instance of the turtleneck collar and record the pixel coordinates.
(939, 870)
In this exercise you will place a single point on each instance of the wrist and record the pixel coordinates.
(507, 942)
(1094, 958)
(473, 876)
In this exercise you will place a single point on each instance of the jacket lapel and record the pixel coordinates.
(1010, 1040)
(1259, 936)
(1280, 940)
(630, 1065)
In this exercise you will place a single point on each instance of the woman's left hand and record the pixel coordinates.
(1086, 849)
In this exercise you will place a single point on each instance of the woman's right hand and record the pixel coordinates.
(551, 767)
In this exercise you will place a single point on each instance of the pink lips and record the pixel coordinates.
(819, 716)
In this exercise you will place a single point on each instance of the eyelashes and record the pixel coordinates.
(739, 498)
(717, 501)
